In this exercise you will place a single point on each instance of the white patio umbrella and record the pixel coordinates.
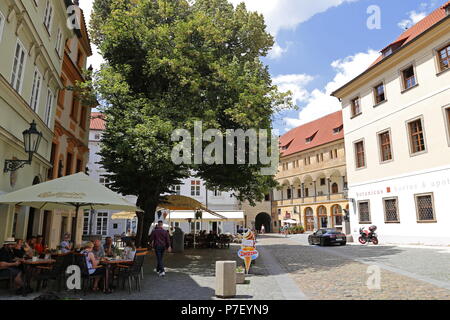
(74, 192)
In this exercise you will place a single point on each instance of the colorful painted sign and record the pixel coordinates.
(248, 251)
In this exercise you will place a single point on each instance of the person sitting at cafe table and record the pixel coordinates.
(129, 251)
(22, 249)
(65, 245)
(10, 265)
(39, 246)
(98, 250)
(93, 264)
(109, 247)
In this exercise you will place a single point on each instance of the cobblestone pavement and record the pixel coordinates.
(189, 276)
(288, 268)
(428, 263)
(322, 274)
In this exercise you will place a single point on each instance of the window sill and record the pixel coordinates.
(356, 115)
(380, 103)
(442, 72)
(365, 222)
(410, 88)
(429, 221)
(387, 161)
(418, 153)
(392, 222)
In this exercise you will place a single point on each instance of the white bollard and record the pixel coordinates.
(226, 279)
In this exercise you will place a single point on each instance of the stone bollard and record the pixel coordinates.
(226, 279)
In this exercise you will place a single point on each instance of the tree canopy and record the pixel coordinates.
(169, 63)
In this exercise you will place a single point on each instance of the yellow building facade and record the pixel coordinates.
(312, 176)
(32, 36)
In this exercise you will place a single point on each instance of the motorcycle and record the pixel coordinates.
(367, 236)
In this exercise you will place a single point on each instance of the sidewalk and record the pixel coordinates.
(189, 276)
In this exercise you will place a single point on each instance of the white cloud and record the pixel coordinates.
(276, 52)
(287, 14)
(295, 83)
(319, 102)
(414, 17)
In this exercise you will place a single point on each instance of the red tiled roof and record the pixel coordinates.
(321, 129)
(419, 28)
(97, 121)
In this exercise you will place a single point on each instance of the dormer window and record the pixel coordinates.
(311, 138)
(387, 52)
(338, 129)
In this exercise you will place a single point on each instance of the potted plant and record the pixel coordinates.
(240, 275)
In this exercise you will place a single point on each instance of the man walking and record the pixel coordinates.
(160, 240)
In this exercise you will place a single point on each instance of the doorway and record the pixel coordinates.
(309, 219)
(263, 219)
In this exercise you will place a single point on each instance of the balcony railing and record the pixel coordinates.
(311, 200)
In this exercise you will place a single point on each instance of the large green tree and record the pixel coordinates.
(169, 63)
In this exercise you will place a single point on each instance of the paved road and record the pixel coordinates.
(288, 268)
(341, 272)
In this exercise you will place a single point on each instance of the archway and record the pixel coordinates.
(263, 219)
(337, 217)
(309, 219)
(322, 214)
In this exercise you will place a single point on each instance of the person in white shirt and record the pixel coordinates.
(129, 251)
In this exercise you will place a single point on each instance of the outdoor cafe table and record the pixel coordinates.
(109, 264)
(28, 267)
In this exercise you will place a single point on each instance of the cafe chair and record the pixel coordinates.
(142, 269)
(54, 272)
(80, 260)
(10, 279)
(127, 273)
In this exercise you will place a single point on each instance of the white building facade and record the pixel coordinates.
(397, 137)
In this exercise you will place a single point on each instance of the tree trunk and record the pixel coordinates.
(145, 219)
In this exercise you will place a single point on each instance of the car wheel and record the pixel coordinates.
(310, 241)
(343, 243)
(322, 242)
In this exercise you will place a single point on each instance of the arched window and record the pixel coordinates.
(334, 188)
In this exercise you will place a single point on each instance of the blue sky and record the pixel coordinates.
(322, 44)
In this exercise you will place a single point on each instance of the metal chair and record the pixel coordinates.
(132, 272)
(10, 279)
(80, 260)
(54, 272)
(138, 250)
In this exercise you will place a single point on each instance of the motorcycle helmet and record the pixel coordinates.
(373, 228)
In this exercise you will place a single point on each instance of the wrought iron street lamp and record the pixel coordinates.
(31, 140)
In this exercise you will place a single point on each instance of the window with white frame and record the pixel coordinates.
(102, 223)
(425, 208)
(391, 210)
(104, 181)
(58, 43)
(18, 67)
(48, 16)
(2, 24)
(86, 221)
(176, 189)
(364, 212)
(48, 107)
(36, 90)
(195, 188)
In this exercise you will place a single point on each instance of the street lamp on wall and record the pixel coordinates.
(31, 140)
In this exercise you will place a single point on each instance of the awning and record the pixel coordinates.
(184, 215)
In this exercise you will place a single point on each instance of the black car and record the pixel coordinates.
(325, 237)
